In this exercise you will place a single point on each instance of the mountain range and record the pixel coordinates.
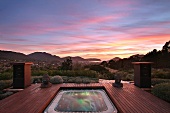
(39, 56)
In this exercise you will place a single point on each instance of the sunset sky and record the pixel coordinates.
(88, 28)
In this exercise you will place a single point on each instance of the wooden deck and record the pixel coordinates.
(128, 99)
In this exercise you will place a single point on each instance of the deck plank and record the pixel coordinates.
(129, 99)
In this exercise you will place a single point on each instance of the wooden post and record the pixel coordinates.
(21, 75)
(142, 74)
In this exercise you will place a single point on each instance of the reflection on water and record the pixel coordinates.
(90, 101)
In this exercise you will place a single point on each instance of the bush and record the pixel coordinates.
(125, 76)
(86, 80)
(77, 66)
(38, 72)
(6, 76)
(65, 79)
(162, 91)
(69, 73)
(130, 71)
(128, 77)
(76, 73)
(71, 80)
(78, 80)
(5, 84)
(98, 69)
(155, 81)
(36, 79)
(56, 80)
(161, 73)
(4, 95)
(94, 80)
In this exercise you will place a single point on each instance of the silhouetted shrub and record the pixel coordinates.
(125, 75)
(56, 80)
(78, 80)
(36, 79)
(162, 91)
(161, 73)
(65, 79)
(71, 80)
(107, 75)
(4, 95)
(5, 84)
(67, 64)
(6, 76)
(94, 80)
(99, 69)
(69, 73)
(39, 72)
(75, 73)
(86, 80)
(155, 81)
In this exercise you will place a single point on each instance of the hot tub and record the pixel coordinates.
(69, 101)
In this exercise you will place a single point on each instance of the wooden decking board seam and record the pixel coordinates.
(136, 100)
(50, 98)
(125, 96)
(143, 98)
(116, 100)
(139, 108)
(133, 100)
(124, 104)
(148, 102)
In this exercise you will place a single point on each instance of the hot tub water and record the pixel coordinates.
(68, 101)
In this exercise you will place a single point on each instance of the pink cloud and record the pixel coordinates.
(94, 20)
(40, 28)
(159, 38)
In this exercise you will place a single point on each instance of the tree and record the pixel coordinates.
(67, 64)
(166, 47)
(104, 63)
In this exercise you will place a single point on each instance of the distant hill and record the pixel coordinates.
(39, 56)
(43, 56)
(13, 55)
(93, 59)
(116, 59)
(77, 58)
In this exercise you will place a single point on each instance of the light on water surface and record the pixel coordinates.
(81, 101)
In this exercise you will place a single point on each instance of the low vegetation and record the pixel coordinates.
(162, 91)
(5, 84)
(4, 95)
(6, 75)
(73, 73)
(156, 81)
(126, 76)
(161, 73)
(65, 79)
(56, 80)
